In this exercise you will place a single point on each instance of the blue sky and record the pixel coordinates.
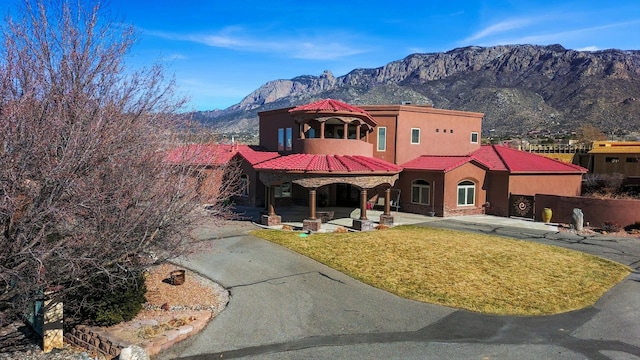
(220, 51)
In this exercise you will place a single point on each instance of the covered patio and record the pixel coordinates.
(312, 171)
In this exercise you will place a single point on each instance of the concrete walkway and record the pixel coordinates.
(286, 306)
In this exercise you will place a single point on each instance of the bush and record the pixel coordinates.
(634, 226)
(105, 304)
(611, 226)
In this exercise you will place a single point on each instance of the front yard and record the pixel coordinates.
(477, 272)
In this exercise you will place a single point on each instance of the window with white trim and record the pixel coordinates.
(466, 193)
(382, 138)
(415, 136)
(420, 192)
(474, 137)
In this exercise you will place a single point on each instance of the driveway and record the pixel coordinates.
(286, 306)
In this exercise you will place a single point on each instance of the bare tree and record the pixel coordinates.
(85, 192)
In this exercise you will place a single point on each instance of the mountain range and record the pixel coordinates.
(520, 89)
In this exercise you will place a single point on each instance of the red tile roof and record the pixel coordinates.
(328, 164)
(201, 154)
(436, 163)
(255, 155)
(333, 107)
(517, 161)
(328, 105)
(496, 158)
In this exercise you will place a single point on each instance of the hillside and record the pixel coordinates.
(519, 88)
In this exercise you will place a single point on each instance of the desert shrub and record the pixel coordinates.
(611, 226)
(287, 227)
(634, 226)
(106, 304)
(381, 227)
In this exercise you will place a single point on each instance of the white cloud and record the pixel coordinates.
(589, 48)
(323, 47)
(499, 28)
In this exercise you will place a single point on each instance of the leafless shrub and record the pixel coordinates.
(84, 188)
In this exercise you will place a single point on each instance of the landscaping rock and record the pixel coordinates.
(133, 352)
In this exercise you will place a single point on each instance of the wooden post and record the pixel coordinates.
(312, 204)
(363, 204)
(387, 201)
(272, 200)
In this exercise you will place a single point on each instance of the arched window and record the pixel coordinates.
(420, 192)
(466, 193)
(244, 185)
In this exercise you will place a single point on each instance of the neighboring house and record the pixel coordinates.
(412, 158)
(615, 157)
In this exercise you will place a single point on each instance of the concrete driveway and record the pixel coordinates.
(286, 306)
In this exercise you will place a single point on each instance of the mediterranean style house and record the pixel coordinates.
(411, 158)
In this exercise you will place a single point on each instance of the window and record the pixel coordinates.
(382, 139)
(280, 139)
(415, 136)
(283, 191)
(437, 130)
(288, 139)
(420, 192)
(633, 160)
(612, 159)
(466, 193)
(474, 137)
(244, 185)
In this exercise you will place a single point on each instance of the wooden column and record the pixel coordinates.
(272, 200)
(387, 201)
(312, 204)
(322, 130)
(363, 204)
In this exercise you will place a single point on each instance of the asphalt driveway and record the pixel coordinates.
(286, 306)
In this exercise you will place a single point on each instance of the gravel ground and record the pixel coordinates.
(19, 342)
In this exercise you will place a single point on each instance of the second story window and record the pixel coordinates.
(415, 136)
(280, 139)
(474, 137)
(612, 160)
(382, 139)
(284, 139)
(288, 139)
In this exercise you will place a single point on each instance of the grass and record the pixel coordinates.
(477, 272)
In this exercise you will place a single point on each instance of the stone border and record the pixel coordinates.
(106, 341)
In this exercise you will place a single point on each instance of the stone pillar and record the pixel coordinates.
(386, 218)
(345, 126)
(271, 219)
(52, 336)
(358, 127)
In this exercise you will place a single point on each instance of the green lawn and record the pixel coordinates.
(476, 272)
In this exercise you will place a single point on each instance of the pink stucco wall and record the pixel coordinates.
(596, 211)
